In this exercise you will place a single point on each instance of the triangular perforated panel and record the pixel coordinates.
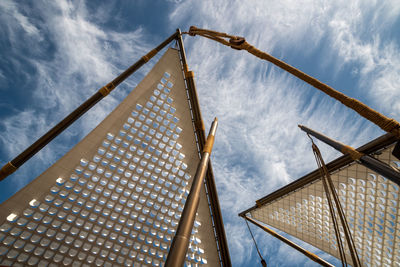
(371, 205)
(116, 197)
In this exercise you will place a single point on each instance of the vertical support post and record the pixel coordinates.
(179, 246)
(201, 135)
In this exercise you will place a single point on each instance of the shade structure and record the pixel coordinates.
(117, 196)
(370, 202)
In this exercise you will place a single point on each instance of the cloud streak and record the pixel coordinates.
(258, 149)
(78, 58)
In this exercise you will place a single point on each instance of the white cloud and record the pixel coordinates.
(83, 58)
(11, 10)
(240, 244)
(358, 36)
(258, 146)
(19, 130)
(86, 56)
(2, 79)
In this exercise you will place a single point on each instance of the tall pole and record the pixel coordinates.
(366, 160)
(179, 246)
(19, 160)
(239, 43)
(218, 223)
(307, 253)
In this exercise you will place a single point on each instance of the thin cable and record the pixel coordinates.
(346, 229)
(331, 210)
(347, 232)
(255, 243)
(330, 204)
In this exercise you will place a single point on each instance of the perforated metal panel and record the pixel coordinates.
(371, 204)
(117, 196)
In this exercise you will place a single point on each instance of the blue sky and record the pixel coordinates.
(55, 54)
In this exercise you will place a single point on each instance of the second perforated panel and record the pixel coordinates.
(371, 204)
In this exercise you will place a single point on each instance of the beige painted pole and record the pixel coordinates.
(180, 243)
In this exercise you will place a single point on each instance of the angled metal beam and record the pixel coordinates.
(364, 159)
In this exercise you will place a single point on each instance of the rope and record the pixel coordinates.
(331, 208)
(263, 263)
(330, 189)
(387, 124)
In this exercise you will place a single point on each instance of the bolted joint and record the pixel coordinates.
(105, 90)
(149, 55)
(6, 170)
(354, 154)
(192, 30)
(185, 69)
(211, 136)
(236, 42)
(189, 74)
(209, 144)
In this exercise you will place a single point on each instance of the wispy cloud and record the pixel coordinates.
(258, 145)
(358, 36)
(81, 57)
(11, 11)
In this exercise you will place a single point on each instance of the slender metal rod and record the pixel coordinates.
(325, 175)
(263, 262)
(210, 183)
(19, 160)
(374, 164)
(179, 246)
(307, 253)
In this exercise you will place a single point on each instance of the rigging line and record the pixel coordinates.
(255, 243)
(346, 229)
(344, 222)
(332, 212)
(331, 208)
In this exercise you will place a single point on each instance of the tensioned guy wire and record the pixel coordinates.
(263, 263)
